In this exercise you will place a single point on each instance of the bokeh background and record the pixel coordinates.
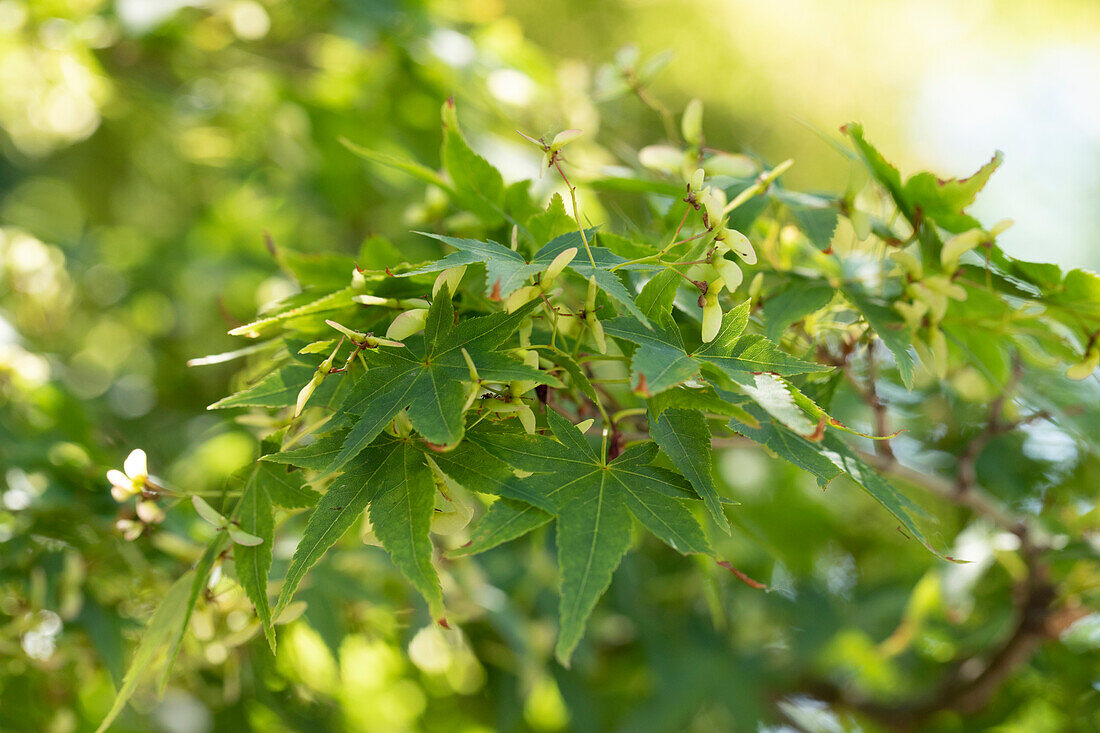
(146, 146)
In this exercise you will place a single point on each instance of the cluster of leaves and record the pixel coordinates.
(112, 281)
(572, 376)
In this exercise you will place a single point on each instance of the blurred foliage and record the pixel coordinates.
(147, 149)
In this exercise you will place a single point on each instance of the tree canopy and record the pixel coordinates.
(464, 450)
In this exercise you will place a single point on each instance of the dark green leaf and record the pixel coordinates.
(256, 516)
(685, 438)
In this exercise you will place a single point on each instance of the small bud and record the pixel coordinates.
(597, 331)
(527, 419)
(1084, 368)
(560, 262)
(353, 335)
(697, 179)
(130, 529)
(740, 245)
(729, 272)
(452, 276)
(909, 262)
(208, 512)
(959, 244)
(521, 297)
(1000, 227)
(407, 323)
(692, 122)
(756, 285)
(563, 138)
(712, 317)
(663, 158)
(714, 201)
(149, 512)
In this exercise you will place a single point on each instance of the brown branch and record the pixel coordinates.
(964, 691)
(976, 499)
(1037, 619)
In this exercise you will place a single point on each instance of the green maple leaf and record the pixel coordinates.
(553, 222)
(661, 361)
(256, 516)
(507, 270)
(280, 388)
(334, 301)
(318, 455)
(426, 376)
(478, 186)
(592, 501)
(393, 479)
(889, 327)
(799, 299)
(685, 438)
(169, 620)
(285, 489)
(942, 201)
(828, 458)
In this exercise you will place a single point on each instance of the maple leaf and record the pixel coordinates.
(507, 270)
(661, 361)
(426, 376)
(392, 478)
(830, 457)
(592, 501)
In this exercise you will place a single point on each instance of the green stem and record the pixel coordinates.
(764, 180)
(576, 213)
(628, 412)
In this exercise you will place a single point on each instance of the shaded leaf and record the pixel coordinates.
(256, 516)
(169, 619)
(829, 458)
(684, 437)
